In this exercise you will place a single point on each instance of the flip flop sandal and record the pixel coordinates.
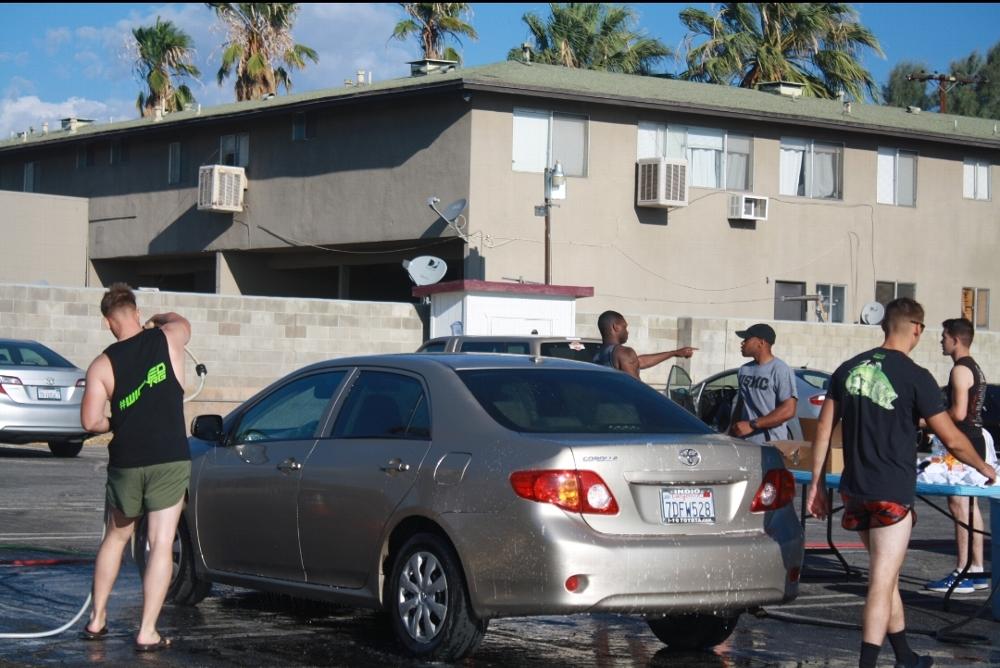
(93, 635)
(164, 643)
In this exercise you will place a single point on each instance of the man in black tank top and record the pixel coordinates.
(149, 463)
(966, 395)
(615, 354)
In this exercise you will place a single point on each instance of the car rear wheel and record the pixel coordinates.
(693, 631)
(65, 448)
(186, 588)
(428, 602)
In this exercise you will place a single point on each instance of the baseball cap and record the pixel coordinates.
(760, 330)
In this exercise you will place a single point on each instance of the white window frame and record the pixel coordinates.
(979, 168)
(665, 134)
(894, 153)
(895, 288)
(550, 158)
(832, 288)
(808, 148)
(241, 149)
(30, 174)
(174, 163)
(976, 310)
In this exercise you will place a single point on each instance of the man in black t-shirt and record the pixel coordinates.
(881, 395)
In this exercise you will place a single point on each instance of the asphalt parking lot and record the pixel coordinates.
(50, 509)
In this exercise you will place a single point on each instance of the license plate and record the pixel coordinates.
(687, 505)
(49, 393)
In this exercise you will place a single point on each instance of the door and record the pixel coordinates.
(248, 489)
(718, 399)
(355, 478)
(679, 387)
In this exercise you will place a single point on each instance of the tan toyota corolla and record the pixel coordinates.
(449, 489)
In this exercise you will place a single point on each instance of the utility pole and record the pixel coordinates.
(943, 79)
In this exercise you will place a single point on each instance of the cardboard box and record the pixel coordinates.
(798, 454)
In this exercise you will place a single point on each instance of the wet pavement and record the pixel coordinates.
(50, 509)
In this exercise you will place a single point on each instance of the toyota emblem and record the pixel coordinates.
(50, 381)
(689, 456)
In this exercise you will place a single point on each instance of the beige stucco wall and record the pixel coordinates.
(45, 237)
(692, 261)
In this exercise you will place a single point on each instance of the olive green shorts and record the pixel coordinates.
(143, 489)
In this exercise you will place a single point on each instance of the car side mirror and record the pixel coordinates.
(207, 428)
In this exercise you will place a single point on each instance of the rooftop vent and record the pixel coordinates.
(911, 109)
(72, 123)
(419, 68)
(783, 88)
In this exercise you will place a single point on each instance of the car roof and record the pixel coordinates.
(504, 337)
(460, 361)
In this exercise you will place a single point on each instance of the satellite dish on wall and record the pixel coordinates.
(872, 313)
(451, 212)
(425, 270)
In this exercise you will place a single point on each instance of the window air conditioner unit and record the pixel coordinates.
(220, 188)
(661, 183)
(747, 207)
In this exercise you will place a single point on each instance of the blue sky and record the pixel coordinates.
(58, 59)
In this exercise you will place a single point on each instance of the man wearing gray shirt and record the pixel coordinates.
(768, 397)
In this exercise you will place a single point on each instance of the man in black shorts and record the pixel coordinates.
(149, 463)
(881, 395)
(966, 396)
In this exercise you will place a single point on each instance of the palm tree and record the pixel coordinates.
(163, 50)
(594, 36)
(432, 22)
(260, 33)
(817, 44)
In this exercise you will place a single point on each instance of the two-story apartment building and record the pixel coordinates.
(863, 202)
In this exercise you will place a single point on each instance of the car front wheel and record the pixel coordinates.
(186, 588)
(65, 448)
(428, 602)
(693, 631)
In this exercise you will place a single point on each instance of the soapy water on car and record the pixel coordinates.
(201, 370)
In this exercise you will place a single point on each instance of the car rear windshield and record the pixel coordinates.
(14, 353)
(818, 379)
(562, 401)
(571, 350)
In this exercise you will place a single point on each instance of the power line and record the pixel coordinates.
(942, 79)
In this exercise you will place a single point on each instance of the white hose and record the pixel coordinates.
(201, 371)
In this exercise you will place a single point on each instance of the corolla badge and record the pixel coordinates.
(689, 456)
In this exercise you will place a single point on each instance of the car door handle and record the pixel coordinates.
(396, 465)
(289, 465)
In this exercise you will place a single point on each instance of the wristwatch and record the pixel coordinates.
(753, 424)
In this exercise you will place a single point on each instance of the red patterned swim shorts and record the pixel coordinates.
(863, 515)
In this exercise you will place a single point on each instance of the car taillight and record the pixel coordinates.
(777, 491)
(577, 491)
(817, 399)
(82, 382)
(8, 380)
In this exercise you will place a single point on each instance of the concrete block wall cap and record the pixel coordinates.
(576, 291)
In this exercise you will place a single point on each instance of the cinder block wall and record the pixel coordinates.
(246, 342)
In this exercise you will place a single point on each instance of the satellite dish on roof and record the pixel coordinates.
(872, 313)
(425, 270)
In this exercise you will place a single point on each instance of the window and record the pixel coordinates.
(235, 150)
(384, 405)
(542, 137)
(174, 163)
(788, 302)
(811, 169)
(833, 301)
(85, 156)
(32, 354)
(576, 402)
(897, 177)
(513, 348)
(29, 177)
(976, 306)
(119, 152)
(290, 413)
(976, 179)
(886, 291)
(716, 158)
(303, 127)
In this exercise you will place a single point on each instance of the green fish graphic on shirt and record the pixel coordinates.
(869, 381)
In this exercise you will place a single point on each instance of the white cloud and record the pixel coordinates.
(17, 114)
(18, 86)
(19, 58)
(55, 38)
